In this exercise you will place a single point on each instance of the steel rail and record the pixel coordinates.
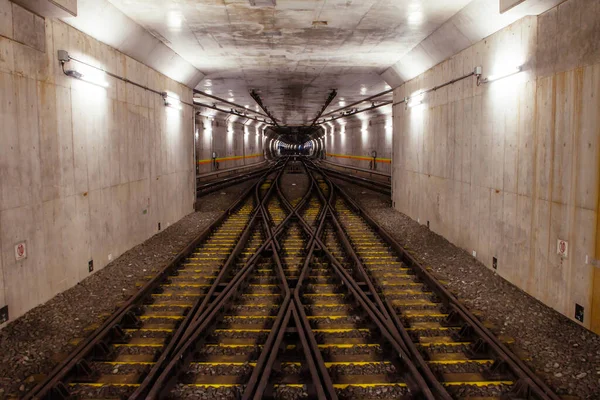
(210, 187)
(414, 380)
(404, 338)
(265, 369)
(184, 331)
(283, 311)
(202, 324)
(529, 384)
(380, 187)
(183, 353)
(53, 384)
(312, 342)
(372, 293)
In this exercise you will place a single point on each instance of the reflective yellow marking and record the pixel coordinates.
(93, 384)
(347, 346)
(479, 384)
(367, 385)
(454, 362)
(361, 363)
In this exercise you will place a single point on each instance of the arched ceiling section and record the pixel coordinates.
(293, 51)
(103, 21)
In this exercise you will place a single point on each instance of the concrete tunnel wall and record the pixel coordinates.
(86, 172)
(351, 141)
(508, 168)
(236, 144)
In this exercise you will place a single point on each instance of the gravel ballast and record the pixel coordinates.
(34, 343)
(564, 354)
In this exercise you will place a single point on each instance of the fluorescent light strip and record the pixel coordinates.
(506, 74)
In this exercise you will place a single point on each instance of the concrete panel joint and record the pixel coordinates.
(50, 8)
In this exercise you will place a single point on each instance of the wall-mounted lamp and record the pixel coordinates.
(415, 100)
(171, 101)
(503, 74)
(95, 76)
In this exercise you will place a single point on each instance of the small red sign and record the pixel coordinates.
(20, 251)
(562, 248)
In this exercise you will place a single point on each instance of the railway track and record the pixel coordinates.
(293, 298)
(122, 350)
(459, 351)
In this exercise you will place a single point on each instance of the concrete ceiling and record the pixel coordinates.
(295, 51)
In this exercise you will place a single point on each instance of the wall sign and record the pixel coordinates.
(20, 251)
(562, 248)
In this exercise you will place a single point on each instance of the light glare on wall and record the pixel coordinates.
(172, 100)
(503, 74)
(416, 99)
(96, 77)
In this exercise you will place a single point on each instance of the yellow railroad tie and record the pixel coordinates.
(186, 294)
(449, 344)
(367, 385)
(407, 291)
(100, 384)
(214, 385)
(215, 363)
(180, 285)
(359, 363)
(346, 346)
(470, 379)
(455, 362)
(149, 330)
(182, 305)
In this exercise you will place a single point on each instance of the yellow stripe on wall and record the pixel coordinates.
(232, 158)
(362, 158)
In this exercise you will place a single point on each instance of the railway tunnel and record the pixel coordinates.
(294, 199)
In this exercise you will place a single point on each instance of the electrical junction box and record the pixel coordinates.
(63, 56)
